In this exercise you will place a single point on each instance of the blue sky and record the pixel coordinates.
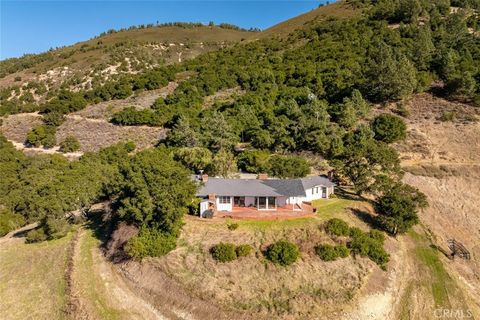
(35, 26)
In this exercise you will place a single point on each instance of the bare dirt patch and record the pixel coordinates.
(94, 135)
(442, 159)
(105, 110)
(15, 127)
(431, 140)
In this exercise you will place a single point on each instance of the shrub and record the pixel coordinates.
(366, 245)
(9, 221)
(49, 229)
(224, 252)
(41, 135)
(389, 128)
(53, 118)
(232, 226)
(328, 252)
(150, 243)
(36, 235)
(377, 235)
(56, 228)
(243, 250)
(447, 116)
(283, 253)
(337, 227)
(132, 117)
(70, 144)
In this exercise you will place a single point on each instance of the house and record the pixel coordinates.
(219, 195)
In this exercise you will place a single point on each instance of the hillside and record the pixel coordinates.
(380, 96)
(339, 10)
(110, 55)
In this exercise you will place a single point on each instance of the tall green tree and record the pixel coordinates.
(157, 192)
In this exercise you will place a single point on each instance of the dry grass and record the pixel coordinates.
(94, 135)
(335, 10)
(443, 161)
(15, 127)
(255, 287)
(32, 279)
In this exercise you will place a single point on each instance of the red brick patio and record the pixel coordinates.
(281, 213)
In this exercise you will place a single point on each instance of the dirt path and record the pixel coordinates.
(110, 297)
(379, 299)
(54, 150)
(21, 230)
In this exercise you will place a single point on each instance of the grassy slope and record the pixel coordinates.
(212, 37)
(335, 10)
(32, 279)
(253, 284)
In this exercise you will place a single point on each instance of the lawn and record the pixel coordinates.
(32, 279)
(326, 209)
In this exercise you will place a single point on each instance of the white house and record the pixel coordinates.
(229, 195)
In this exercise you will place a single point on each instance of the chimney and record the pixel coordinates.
(204, 178)
(262, 176)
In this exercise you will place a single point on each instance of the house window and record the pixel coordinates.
(266, 203)
(271, 203)
(315, 190)
(224, 200)
(324, 192)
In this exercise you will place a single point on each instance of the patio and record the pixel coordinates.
(281, 213)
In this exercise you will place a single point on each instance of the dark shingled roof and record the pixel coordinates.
(263, 188)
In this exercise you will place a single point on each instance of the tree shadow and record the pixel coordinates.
(349, 195)
(101, 223)
(372, 221)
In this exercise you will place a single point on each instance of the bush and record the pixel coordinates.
(53, 118)
(232, 226)
(389, 128)
(56, 228)
(243, 250)
(328, 252)
(70, 144)
(337, 227)
(49, 229)
(150, 243)
(132, 117)
(447, 116)
(36, 235)
(377, 235)
(9, 221)
(283, 253)
(41, 135)
(224, 252)
(369, 245)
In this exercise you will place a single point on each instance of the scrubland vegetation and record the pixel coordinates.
(297, 99)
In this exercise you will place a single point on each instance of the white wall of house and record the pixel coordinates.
(203, 206)
(223, 205)
(318, 192)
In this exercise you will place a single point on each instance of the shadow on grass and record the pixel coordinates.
(372, 221)
(349, 195)
(101, 223)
